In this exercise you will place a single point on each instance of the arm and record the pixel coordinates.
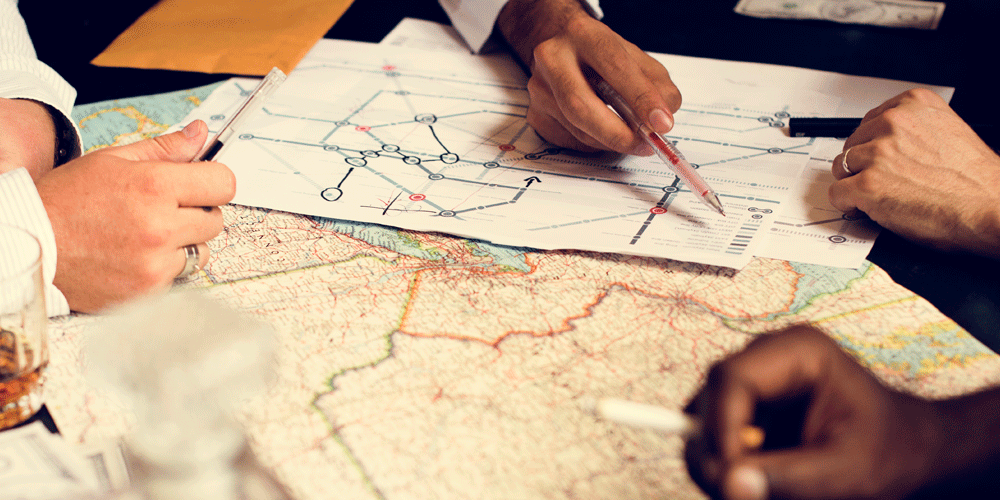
(857, 439)
(558, 40)
(920, 171)
(34, 103)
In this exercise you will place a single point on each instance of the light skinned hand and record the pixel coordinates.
(558, 40)
(27, 137)
(921, 172)
(858, 440)
(122, 215)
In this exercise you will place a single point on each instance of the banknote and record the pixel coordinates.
(35, 464)
(892, 13)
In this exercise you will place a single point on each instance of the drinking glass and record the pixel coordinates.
(23, 326)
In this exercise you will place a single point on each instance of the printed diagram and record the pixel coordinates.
(440, 149)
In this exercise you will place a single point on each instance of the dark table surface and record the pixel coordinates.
(957, 54)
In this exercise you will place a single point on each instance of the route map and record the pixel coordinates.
(376, 134)
(418, 365)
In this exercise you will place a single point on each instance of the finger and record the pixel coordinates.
(851, 161)
(544, 117)
(197, 224)
(577, 103)
(772, 366)
(197, 254)
(828, 472)
(180, 146)
(199, 184)
(641, 86)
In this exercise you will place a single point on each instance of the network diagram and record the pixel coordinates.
(445, 151)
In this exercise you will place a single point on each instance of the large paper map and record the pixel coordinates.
(422, 366)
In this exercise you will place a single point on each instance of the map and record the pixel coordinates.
(417, 365)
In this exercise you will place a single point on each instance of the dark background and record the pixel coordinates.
(958, 54)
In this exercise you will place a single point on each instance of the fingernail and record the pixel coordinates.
(747, 483)
(660, 121)
(190, 130)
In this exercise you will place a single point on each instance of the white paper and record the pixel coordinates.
(436, 141)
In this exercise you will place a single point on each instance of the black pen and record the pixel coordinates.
(842, 127)
(253, 102)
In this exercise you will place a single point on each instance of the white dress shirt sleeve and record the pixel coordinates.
(21, 207)
(23, 76)
(474, 19)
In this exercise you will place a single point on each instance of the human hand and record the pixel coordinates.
(918, 170)
(857, 440)
(27, 137)
(558, 40)
(122, 216)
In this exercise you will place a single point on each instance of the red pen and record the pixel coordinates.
(663, 148)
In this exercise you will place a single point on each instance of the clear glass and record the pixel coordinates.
(24, 352)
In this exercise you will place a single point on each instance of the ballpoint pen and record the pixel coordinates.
(663, 148)
(253, 102)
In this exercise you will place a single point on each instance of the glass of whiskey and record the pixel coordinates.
(23, 326)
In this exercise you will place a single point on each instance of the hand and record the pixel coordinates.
(122, 216)
(858, 439)
(558, 40)
(27, 137)
(918, 170)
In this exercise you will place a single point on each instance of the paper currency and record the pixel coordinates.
(892, 13)
(35, 464)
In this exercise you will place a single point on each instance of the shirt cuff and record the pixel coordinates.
(20, 206)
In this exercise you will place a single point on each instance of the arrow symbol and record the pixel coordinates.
(531, 179)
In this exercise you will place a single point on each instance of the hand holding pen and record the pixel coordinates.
(663, 148)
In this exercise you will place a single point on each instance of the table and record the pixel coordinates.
(964, 289)
(385, 397)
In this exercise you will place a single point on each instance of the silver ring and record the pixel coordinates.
(191, 256)
(843, 163)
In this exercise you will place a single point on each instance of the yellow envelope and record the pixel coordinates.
(244, 37)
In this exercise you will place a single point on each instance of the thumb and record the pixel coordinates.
(792, 473)
(181, 146)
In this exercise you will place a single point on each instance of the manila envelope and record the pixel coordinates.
(243, 37)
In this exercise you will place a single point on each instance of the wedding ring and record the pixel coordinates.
(843, 163)
(190, 261)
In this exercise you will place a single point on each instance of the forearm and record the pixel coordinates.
(526, 23)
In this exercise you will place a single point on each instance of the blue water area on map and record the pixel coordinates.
(938, 344)
(817, 280)
(166, 109)
(400, 241)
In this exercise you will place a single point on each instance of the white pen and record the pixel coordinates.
(663, 148)
(658, 418)
(252, 103)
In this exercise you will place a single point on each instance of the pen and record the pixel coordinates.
(844, 127)
(252, 103)
(645, 416)
(663, 148)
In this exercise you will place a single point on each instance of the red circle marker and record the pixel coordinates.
(657, 210)
(506, 147)
(388, 67)
(362, 128)
(418, 197)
